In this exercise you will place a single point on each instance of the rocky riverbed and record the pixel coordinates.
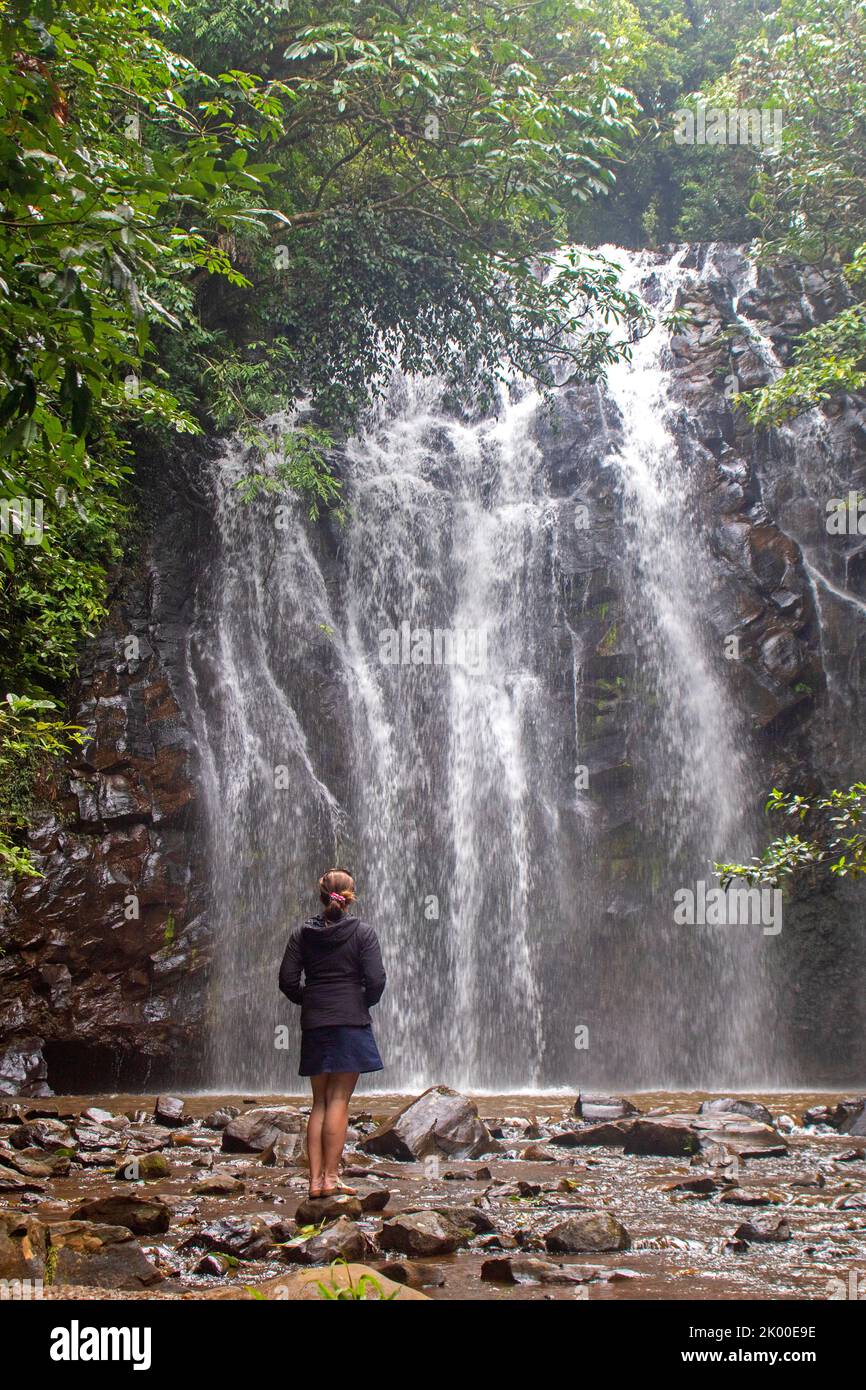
(656, 1196)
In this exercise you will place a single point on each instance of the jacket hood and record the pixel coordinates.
(322, 933)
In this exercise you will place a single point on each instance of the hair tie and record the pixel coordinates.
(337, 898)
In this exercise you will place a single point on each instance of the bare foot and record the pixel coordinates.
(332, 1187)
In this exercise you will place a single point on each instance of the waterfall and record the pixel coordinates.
(406, 696)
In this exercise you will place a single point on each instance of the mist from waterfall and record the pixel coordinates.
(448, 786)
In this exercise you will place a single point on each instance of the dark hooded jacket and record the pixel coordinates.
(342, 970)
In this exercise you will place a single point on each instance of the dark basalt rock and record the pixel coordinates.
(104, 1256)
(259, 1129)
(595, 1231)
(421, 1233)
(439, 1121)
(23, 1069)
(732, 1105)
(144, 1216)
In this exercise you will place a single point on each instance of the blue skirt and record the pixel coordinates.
(339, 1047)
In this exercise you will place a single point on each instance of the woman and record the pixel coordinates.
(339, 958)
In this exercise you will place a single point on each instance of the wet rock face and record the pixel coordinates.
(105, 956)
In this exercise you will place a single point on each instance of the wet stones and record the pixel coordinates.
(256, 1130)
(144, 1216)
(50, 1135)
(244, 1237)
(342, 1240)
(219, 1183)
(440, 1121)
(665, 1137)
(106, 1256)
(147, 1167)
(593, 1231)
(168, 1111)
(733, 1105)
(527, 1269)
(317, 1209)
(595, 1108)
(612, 1135)
(23, 1246)
(763, 1229)
(421, 1233)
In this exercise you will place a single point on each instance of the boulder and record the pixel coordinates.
(245, 1237)
(666, 1137)
(144, 1216)
(470, 1218)
(856, 1122)
(36, 1163)
(342, 1240)
(97, 1116)
(23, 1246)
(168, 1111)
(11, 1181)
(527, 1269)
(283, 1151)
(596, 1108)
(317, 1209)
(218, 1119)
(23, 1070)
(585, 1232)
(412, 1273)
(733, 1105)
(420, 1233)
(610, 1135)
(144, 1168)
(104, 1256)
(763, 1228)
(440, 1121)
(377, 1200)
(219, 1183)
(257, 1129)
(43, 1134)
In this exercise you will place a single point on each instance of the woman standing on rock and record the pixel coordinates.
(343, 976)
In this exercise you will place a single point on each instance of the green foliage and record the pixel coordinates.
(302, 467)
(810, 194)
(834, 843)
(667, 191)
(28, 740)
(430, 161)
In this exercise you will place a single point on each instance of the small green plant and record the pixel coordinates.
(351, 1291)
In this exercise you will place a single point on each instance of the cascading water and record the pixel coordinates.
(405, 696)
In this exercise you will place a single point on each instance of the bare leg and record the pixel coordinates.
(340, 1085)
(314, 1132)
